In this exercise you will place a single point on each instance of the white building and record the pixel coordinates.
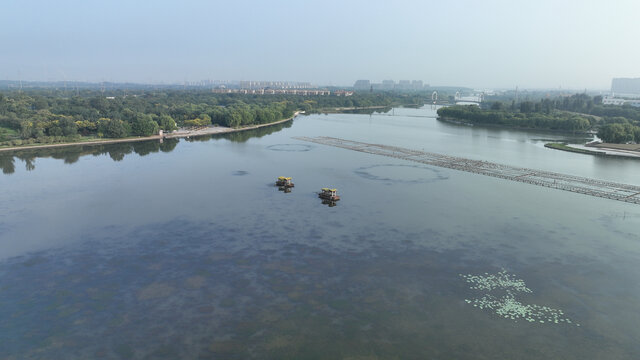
(613, 101)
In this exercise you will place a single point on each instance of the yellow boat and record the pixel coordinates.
(284, 181)
(329, 194)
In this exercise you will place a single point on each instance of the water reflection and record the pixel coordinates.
(243, 136)
(369, 111)
(72, 154)
(118, 151)
(329, 203)
(7, 164)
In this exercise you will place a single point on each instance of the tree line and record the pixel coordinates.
(619, 133)
(615, 124)
(45, 116)
(529, 120)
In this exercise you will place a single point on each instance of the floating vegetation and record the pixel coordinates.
(501, 298)
(501, 280)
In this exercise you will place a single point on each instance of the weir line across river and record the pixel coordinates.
(593, 187)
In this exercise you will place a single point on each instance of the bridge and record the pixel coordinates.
(469, 100)
(593, 187)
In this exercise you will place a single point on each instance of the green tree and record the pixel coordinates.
(68, 126)
(143, 125)
(166, 122)
(617, 133)
(597, 100)
(526, 107)
(113, 128)
(234, 119)
(497, 105)
(40, 103)
(205, 119)
(26, 129)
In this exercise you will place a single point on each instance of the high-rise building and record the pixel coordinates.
(362, 85)
(404, 85)
(625, 86)
(388, 84)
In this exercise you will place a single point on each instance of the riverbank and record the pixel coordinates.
(565, 147)
(608, 152)
(617, 147)
(180, 133)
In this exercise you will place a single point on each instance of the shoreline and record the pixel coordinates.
(632, 148)
(180, 133)
(604, 151)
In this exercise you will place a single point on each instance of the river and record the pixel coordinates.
(186, 249)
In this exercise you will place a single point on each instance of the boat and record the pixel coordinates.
(284, 182)
(329, 194)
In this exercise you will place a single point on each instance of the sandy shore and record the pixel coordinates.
(180, 133)
(620, 152)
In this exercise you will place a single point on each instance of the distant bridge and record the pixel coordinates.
(592, 187)
(405, 115)
(469, 100)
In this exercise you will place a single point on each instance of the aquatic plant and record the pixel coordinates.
(507, 305)
(501, 280)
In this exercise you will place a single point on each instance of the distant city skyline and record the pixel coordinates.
(489, 44)
(388, 84)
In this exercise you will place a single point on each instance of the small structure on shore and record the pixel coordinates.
(284, 182)
(329, 194)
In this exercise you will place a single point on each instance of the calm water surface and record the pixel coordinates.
(186, 250)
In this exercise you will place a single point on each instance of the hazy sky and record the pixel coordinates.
(488, 44)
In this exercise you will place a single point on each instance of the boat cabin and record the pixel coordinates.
(284, 181)
(329, 194)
